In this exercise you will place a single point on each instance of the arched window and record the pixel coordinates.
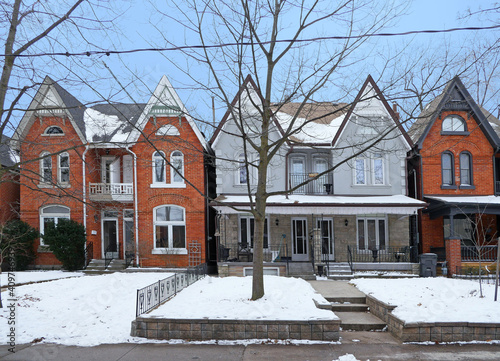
(52, 215)
(170, 227)
(159, 173)
(465, 169)
(447, 168)
(454, 123)
(177, 169)
(63, 168)
(46, 167)
(54, 130)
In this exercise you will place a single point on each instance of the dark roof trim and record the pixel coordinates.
(438, 208)
(242, 204)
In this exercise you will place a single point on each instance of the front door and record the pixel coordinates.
(110, 238)
(326, 227)
(299, 240)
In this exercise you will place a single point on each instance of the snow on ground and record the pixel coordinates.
(229, 297)
(36, 276)
(434, 299)
(83, 311)
(347, 357)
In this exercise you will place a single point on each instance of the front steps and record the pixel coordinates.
(96, 266)
(339, 271)
(302, 270)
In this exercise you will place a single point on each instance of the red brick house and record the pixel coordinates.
(454, 167)
(132, 174)
(9, 184)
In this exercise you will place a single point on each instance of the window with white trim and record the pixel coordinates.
(177, 169)
(372, 233)
(170, 227)
(454, 123)
(241, 175)
(360, 171)
(52, 215)
(247, 225)
(378, 169)
(63, 168)
(46, 167)
(159, 169)
(53, 130)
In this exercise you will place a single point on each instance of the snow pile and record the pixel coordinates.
(102, 126)
(37, 276)
(347, 357)
(83, 311)
(434, 299)
(229, 298)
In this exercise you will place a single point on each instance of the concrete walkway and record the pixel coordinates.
(336, 289)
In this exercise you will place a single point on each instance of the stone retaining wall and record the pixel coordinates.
(205, 329)
(432, 331)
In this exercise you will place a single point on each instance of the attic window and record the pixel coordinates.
(453, 124)
(167, 130)
(54, 130)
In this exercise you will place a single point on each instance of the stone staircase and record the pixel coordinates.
(302, 270)
(96, 266)
(339, 271)
(349, 304)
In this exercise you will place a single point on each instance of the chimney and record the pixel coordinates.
(395, 109)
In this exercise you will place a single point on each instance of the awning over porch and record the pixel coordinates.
(307, 204)
(450, 206)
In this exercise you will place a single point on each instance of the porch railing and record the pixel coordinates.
(244, 253)
(322, 185)
(152, 296)
(111, 191)
(483, 253)
(472, 273)
(379, 255)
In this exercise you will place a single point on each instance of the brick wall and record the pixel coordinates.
(9, 197)
(453, 255)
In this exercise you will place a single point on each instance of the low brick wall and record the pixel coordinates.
(204, 329)
(432, 331)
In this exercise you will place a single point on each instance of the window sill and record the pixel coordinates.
(467, 187)
(454, 133)
(168, 185)
(444, 186)
(45, 185)
(166, 251)
(53, 135)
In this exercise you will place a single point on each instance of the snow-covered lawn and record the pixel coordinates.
(434, 299)
(81, 311)
(229, 297)
(37, 276)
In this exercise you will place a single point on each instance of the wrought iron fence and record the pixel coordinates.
(322, 185)
(379, 255)
(472, 273)
(150, 297)
(89, 253)
(483, 253)
(241, 252)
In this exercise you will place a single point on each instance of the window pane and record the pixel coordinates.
(465, 172)
(161, 214)
(361, 234)
(381, 234)
(176, 214)
(371, 233)
(242, 170)
(55, 209)
(446, 165)
(65, 175)
(64, 160)
(378, 165)
(360, 171)
(159, 170)
(161, 236)
(243, 231)
(252, 229)
(179, 235)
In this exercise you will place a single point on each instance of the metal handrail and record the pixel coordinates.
(89, 254)
(349, 258)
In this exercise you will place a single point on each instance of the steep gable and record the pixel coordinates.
(454, 97)
(370, 103)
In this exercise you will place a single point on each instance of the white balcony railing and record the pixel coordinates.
(123, 192)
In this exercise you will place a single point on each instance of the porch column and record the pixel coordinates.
(453, 255)
(317, 250)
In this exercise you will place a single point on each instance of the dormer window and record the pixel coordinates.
(54, 130)
(453, 124)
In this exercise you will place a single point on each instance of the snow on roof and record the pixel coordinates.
(311, 132)
(103, 127)
(468, 199)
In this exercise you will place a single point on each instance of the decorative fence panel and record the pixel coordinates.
(152, 296)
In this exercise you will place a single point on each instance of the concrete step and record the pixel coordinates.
(360, 321)
(349, 307)
(346, 299)
(340, 277)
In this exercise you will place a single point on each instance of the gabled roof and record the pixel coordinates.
(248, 88)
(454, 97)
(164, 96)
(364, 96)
(51, 98)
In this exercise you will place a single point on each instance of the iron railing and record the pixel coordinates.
(472, 273)
(152, 296)
(321, 185)
(475, 254)
(240, 252)
(108, 253)
(379, 255)
(349, 258)
(89, 253)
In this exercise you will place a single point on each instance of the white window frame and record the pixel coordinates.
(378, 157)
(365, 171)
(173, 174)
(159, 156)
(60, 168)
(169, 224)
(241, 167)
(375, 218)
(249, 230)
(45, 156)
(56, 217)
(453, 120)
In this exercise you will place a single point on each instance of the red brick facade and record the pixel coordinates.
(9, 197)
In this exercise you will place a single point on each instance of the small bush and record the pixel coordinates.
(17, 238)
(67, 241)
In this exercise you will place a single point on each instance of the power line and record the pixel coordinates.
(188, 47)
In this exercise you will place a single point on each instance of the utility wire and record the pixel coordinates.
(187, 47)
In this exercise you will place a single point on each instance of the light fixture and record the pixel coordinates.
(346, 222)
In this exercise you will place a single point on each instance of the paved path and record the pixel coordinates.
(336, 289)
(379, 347)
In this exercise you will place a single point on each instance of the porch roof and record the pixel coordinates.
(307, 204)
(450, 206)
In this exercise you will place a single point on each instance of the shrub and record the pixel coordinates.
(17, 238)
(67, 241)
